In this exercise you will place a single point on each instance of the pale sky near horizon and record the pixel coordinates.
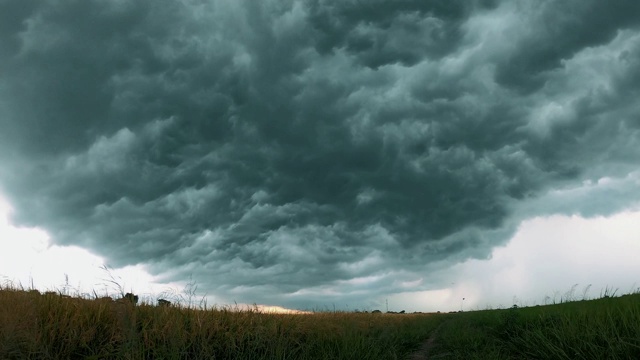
(317, 153)
(522, 272)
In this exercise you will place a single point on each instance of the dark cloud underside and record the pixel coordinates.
(273, 147)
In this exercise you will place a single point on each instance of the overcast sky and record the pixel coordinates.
(311, 153)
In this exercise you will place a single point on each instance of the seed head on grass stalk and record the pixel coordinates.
(113, 281)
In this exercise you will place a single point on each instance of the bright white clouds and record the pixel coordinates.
(546, 257)
(27, 258)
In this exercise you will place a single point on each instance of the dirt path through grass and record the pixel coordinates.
(427, 345)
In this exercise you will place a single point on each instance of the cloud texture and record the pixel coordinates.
(292, 152)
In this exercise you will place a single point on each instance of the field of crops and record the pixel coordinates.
(54, 326)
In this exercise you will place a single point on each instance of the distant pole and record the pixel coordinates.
(461, 304)
(387, 301)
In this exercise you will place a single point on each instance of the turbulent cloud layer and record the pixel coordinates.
(290, 151)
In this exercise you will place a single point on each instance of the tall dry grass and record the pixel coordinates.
(50, 326)
(55, 326)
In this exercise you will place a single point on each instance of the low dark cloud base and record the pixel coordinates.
(278, 151)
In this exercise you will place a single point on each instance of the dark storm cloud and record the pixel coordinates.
(557, 31)
(285, 151)
(387, 32)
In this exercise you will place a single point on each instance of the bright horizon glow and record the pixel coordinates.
(521, 272)
(525, 273)
(29, 260)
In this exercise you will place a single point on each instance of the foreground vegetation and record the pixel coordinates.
(605, 328)
(50, 326)
(54, 326)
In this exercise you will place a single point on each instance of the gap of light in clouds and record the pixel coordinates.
(28, 259)
(601, 252)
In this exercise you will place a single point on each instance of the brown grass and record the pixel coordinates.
(50, 326)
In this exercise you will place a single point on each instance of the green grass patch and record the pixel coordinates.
(606, 328)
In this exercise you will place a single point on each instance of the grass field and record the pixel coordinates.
(52, 326)
(605, 328)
